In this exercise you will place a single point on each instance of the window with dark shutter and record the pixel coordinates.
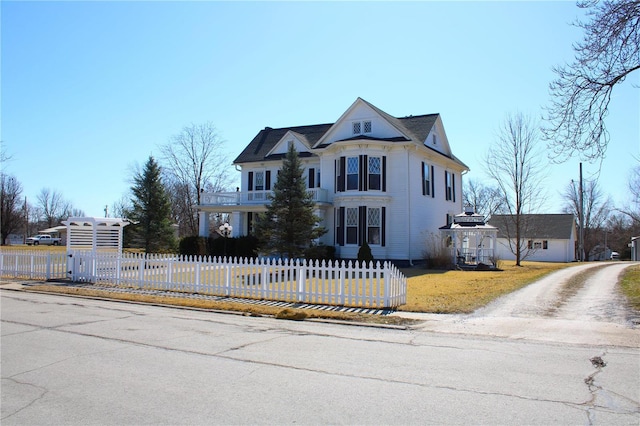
(375, 173)
(448, 186)
(374, 220)
(352, 173)
(351, 224)
(426, 179)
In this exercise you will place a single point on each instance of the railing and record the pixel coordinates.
(318, 195)
(473, 256)
(333, 283)
(33, 265)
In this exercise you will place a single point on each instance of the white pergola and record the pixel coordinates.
(470, 239)
(95, 233)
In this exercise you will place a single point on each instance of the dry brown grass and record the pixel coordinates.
(466, 291)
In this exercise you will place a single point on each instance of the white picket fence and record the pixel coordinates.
(342, 283)
(33, 265)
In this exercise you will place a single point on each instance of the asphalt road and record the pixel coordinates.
(78, 361)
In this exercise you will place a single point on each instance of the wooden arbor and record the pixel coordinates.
(470, 239)
(95, 234)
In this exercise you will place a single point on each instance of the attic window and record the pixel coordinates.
(434, 139)
(360, 127)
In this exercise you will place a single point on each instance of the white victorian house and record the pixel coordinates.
(390, 181)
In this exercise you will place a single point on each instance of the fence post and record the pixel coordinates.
(302, 277)
(197, 274)
(141, 265)
(387, 285)
(48, 271)
(227, 283)
(341, 272)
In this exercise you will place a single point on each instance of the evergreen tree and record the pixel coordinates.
(289, 225)
(151, 211)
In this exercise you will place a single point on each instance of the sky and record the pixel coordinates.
(90, 89)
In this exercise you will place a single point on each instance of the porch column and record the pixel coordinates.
(203, 224)
(236, 222)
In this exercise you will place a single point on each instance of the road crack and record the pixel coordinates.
(43, 392)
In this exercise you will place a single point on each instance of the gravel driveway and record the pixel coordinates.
(580, 304)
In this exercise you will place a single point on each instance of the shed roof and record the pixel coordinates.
(537, 226)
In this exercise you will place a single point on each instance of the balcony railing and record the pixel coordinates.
(238, 198)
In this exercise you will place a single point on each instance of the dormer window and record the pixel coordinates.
(360, 127)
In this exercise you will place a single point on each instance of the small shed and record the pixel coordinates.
(471, 240)
(95, 233)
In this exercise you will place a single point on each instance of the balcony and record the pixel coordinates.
(249, 198)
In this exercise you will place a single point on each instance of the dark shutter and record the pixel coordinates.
(453, 187)
(362, 224)
(311, 179)
(433, 185)
(424, 184)
(267, 180)
(446, 186)
(340, 227)
(384, 174)
(343, 175)
(249, 223)
(383, 227)
(250, 181)
(361, 173)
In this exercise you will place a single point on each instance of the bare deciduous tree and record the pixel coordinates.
(597, 208)
(485, 200)
(514, 164)
(632, 209)
(581, 93)
(12, 215)
(52, 206)
(196, 159)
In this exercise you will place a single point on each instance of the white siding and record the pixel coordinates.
(557, 251)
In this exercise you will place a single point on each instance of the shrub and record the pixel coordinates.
(193, 246)
(246, 246)
(364, 254)
(320, 252)
(436, 255)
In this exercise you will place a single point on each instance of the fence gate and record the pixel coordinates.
(86, 237)
(81, 266)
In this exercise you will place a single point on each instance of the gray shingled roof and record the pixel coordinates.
(267, 138)
(539, 226)
(417, 127)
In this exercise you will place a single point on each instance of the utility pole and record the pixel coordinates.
(581, 236)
